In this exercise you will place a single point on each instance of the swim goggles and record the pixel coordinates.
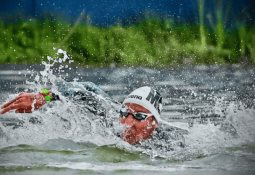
(124, 111)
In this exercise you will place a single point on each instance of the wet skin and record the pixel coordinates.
(137, 130)
(24, 103)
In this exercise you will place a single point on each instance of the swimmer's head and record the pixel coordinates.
(140, 113)
(148, 98)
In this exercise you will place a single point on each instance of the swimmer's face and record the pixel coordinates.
(137, 130)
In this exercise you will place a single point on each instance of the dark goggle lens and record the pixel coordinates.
(139, 116)
(123, 112)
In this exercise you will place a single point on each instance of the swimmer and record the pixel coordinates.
(139, 113)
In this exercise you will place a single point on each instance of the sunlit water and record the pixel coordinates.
(214, 104)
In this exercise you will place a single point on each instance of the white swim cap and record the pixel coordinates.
(148, 98)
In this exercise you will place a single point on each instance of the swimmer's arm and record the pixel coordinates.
(24, 103)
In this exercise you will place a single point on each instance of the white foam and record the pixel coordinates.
(117, 166)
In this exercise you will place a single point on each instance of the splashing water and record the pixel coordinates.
(48, 123)
(75, 121)
(47, 77)
(237, 129)
(66, 119)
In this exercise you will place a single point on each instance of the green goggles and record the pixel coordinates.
(48, 98)
(124, 112)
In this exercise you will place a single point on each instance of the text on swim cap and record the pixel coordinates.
(155, 99)
(135, 96)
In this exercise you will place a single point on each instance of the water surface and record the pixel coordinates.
(214, 103)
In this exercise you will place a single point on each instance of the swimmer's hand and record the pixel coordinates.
(24, 103)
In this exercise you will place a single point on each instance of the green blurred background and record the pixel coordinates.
(203, 33)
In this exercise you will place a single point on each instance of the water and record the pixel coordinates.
(215, 104)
